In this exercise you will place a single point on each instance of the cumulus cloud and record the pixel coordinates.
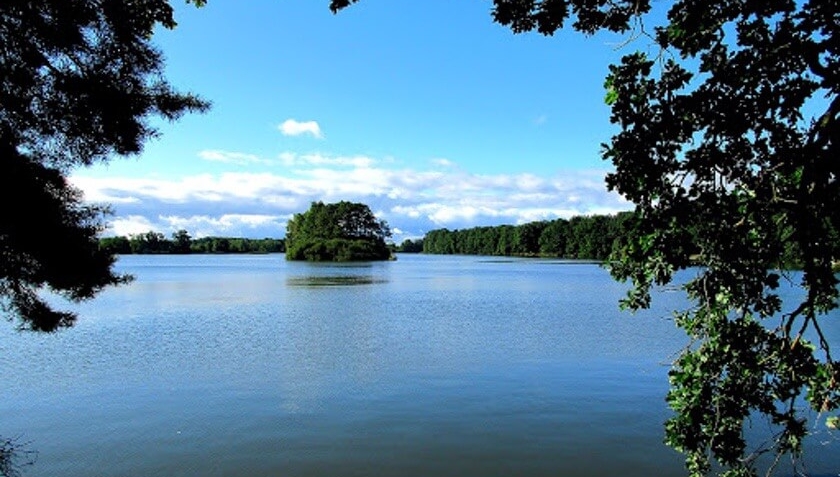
(230, 225)
(292, 127)
(131, 225)
(412, 201)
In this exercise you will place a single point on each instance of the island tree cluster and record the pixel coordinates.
(343, 231)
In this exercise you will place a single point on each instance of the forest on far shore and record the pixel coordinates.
(582, 237)
(182, 243)
(591, 237)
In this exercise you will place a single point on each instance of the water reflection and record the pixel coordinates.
(334, 280)
(15, 456)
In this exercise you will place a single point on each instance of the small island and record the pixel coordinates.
(340, 232)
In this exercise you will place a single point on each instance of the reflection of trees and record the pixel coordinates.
(329, 340)
(14, 456)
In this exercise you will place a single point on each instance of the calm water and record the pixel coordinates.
(427, 366)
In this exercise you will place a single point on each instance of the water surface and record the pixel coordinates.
(254, 366)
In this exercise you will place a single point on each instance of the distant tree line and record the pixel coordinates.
(181, 243)
(583, 237)
(410, 246)
(591, 237)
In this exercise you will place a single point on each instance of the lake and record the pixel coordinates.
(248, 365)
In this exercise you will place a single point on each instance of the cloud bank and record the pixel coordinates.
(259, 203)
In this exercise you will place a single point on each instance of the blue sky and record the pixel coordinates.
(428, 112)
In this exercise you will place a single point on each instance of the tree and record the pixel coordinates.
(115, 245)
(344, 231)
(553, 238)
(529, 237)
(149, 243)
(79, 81)
(728, 134)
(411, 246)
(181, 242)
(583, 237)
(221, 245)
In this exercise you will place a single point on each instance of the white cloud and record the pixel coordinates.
(442, 162)
(228, 157)
(291, 127)
(448, 214)
(530, 182)
(292, 159)
(231, 225)
(131, 225)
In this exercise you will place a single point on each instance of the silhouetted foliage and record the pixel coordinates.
(115, 245)
(32, 254)
(344, 231)
(79, 81)
(729, 119)
(181, 242)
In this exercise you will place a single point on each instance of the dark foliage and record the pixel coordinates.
(583, 237)
(344, 231)
(410, 246)
(32, 257)
(79, 81)
(181, 243)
